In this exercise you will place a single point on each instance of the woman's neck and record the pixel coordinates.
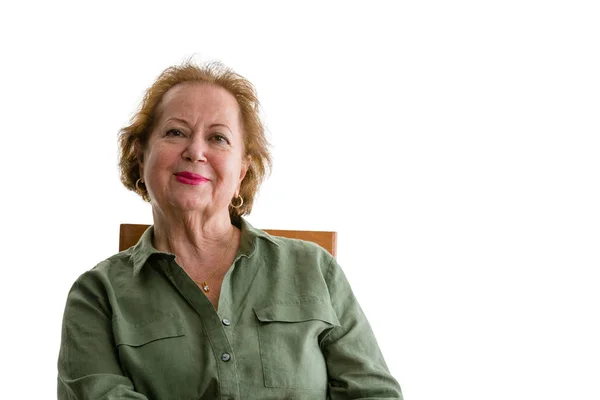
(192, 236)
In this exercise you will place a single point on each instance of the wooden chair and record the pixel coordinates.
(131, 233)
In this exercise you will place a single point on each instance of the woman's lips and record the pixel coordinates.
(189, 178)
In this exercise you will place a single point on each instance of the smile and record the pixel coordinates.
(189, 178)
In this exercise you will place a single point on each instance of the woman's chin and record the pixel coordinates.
(179, 205)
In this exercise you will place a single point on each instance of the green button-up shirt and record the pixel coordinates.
(287, 327)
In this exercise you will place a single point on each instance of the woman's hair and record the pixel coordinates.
(142, 123)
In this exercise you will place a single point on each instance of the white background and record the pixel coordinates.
(453, 145)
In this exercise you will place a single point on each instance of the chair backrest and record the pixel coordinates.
(131, 233)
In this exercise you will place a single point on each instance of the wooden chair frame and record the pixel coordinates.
(131, 233)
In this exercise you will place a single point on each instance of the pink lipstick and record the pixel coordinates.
(189, 178)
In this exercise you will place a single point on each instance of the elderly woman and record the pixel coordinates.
(206, 306)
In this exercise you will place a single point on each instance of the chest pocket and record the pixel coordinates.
(144, 333)
(144, 346)
(153, 354)
(289, 336)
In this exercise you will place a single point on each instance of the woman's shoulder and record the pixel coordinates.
(294, 244)
(292, 257)
(296, 247)
(118, 265)
(267, 245)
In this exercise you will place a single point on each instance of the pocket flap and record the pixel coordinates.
(140, 334)
(297, 312)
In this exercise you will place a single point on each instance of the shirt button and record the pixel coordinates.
(226, 322)
(225, 357)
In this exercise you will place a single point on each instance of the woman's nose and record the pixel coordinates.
(195, 150)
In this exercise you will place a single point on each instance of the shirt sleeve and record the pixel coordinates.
(88, 364)
(356, 367)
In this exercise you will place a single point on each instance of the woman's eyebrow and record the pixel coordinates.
(177, 119)
(223, 125)
(183, 121)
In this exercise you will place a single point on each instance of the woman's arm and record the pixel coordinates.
(88, 365)
(355, 365)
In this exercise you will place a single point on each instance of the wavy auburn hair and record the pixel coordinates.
(137, 133)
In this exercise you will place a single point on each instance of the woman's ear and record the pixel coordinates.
(139, 153)
(245, 165)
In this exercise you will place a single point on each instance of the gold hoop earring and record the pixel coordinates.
(137, 185)
(241, 202)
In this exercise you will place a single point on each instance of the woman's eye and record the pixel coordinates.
(220, 138)
(174, 132)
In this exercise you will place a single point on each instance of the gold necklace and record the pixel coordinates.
(204, 284)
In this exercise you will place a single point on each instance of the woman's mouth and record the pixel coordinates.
(189, 178)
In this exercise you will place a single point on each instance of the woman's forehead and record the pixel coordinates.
(194, 99)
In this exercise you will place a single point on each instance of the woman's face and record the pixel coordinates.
(194, 159)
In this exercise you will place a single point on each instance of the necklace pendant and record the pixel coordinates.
(205, 286)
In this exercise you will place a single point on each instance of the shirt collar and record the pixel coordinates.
(144, 249)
